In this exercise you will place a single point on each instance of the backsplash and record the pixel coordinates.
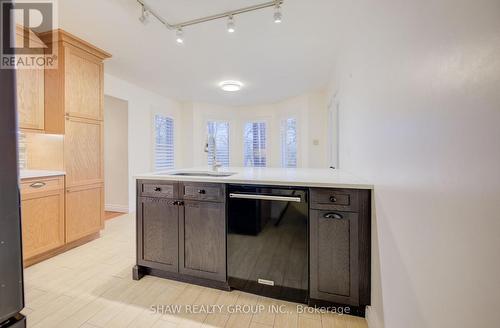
(22, 151)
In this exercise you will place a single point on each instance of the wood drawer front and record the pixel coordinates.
(203, 191)
(162, 189)
(30, 186)
(334, 199)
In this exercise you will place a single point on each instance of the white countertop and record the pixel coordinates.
(326, 178)
(29, 174)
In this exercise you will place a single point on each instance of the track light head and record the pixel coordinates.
(144, 18)
(231, 27)
(179, 36)
(278, 16)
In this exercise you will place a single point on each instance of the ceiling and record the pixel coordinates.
(274, 61)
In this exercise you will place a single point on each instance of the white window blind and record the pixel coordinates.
(220, 131)
(255, 144)
(164, 142)
(289, 143)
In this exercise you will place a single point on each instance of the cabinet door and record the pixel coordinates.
(83, 152)
(42, 222)
(30, 91)
(84, 211)
(334, 269)
(84, 77)
(203, 240)
(158, 234)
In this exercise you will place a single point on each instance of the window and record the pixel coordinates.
(220, 131)
(289, 143)
(164, 142)
(255, 144)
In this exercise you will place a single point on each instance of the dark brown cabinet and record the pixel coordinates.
(158, 231)
(339, 241)
(181, 233)
(203, 240)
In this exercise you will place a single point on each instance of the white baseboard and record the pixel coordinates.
(116, 208)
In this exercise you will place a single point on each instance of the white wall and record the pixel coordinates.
(116, 175)
(309, 110)
(419, 91)
(142, 105)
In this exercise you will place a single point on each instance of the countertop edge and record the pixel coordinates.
(340, 185)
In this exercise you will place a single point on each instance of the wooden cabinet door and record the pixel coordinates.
(84, 84)
(158, 233)
(30, 92)
(203, 240)
(334, 270)
(84, 211)
(42, 215)
(83, 152)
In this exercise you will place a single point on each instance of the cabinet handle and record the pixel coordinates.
(157, 189)
(202, 191)
(333, 216)
(333, 199)
(180, 203)
(37, 185)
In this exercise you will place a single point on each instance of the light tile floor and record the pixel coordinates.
(91, 286)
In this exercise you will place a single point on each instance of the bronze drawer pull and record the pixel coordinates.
(37, 184)
(333, 216)
(333, 199)
(202, 191)
(157, 189)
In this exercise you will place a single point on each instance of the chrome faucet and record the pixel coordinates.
(211, 141)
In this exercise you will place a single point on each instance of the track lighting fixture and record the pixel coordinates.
(179, 36)
(231, 27)
(278, 16)
(144, 18)
(229, 15)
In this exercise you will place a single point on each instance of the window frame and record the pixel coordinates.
(267, 143)
(217, 121)
(153, 146)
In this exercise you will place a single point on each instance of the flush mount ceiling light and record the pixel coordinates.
(229, 15)
(231, 86)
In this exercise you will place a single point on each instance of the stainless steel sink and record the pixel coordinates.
(198, 173)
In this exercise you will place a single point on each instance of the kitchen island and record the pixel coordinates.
(301, 235)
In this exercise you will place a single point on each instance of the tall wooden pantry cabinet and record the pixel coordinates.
(74, 107)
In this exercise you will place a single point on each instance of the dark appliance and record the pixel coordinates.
(267, 241)
(11, 259)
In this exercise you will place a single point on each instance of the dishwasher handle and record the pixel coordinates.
(266, 197)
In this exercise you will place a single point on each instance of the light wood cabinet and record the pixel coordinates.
(30, 88)
(42, 213)
(83, 147)
(84, 211)
(75, 87)
(74, 107)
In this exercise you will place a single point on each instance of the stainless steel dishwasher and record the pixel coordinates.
(267, 241)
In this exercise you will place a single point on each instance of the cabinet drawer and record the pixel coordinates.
(163, 189)
(334, 199)
(36, 185)
(203, 191)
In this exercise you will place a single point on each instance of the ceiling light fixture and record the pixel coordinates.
(231, 27)
(229, 15)
(231, 86)
(144, 18)
(179, 36)
(278, 16)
